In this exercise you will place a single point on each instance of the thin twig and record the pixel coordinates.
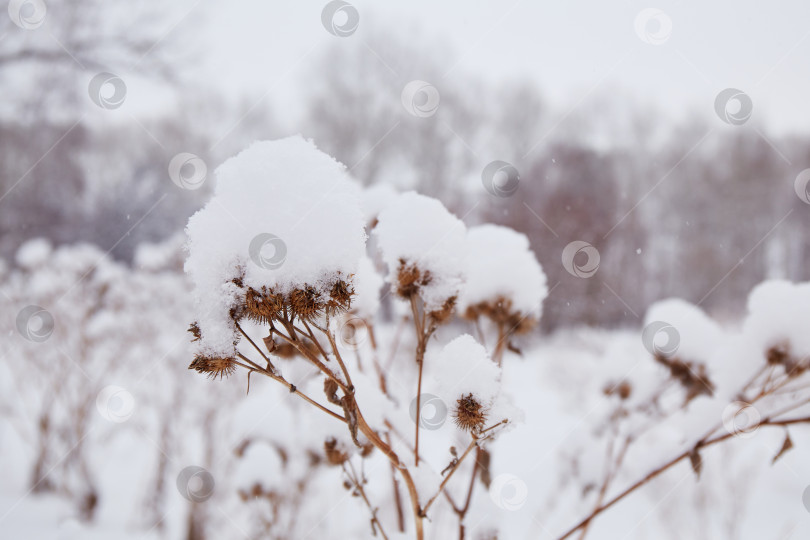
(291, 387)
(311, 357)
(312, 337)
(656, 472)
(395, 487)
(472, 444)
(333, 343)
(266, 359)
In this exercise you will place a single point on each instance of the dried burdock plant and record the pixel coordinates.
(505, 285)
(772, 397)
(300, 295)
(692, 376)
(410, 279)
(297, 284)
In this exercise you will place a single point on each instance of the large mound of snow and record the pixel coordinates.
(418, 230)
(500, 265)
(284, 214)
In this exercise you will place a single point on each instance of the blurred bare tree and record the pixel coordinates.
(684, 210)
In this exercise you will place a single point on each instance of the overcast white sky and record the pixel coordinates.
(576, 50)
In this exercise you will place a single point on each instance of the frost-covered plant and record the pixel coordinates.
(505, 283)
(66, 333)
(306, 315)
(294, 316)
(712, 385)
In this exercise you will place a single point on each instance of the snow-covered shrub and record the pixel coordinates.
(505, 283)
(717, 384)
(66, 332)
(295, 315)
(408, 422)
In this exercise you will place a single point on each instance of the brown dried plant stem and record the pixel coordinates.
(472, 445)
(423, 334)
(476, 441)
(767, 422)
(500, 345)
(384, 388)
(613, 466)
(293, 339)
(397, 497)
(462, 512)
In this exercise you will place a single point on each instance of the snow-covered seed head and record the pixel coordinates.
(780, 355)
(232, 278)
(340, 297)
(262, 306)
(692, 376)
(213, 366)
(305, 303)
(469, 413)
(410, 278)
(501, 311)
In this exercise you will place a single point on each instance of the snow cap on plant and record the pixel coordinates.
(505, 282)
(423, 246)
(283, 230)
(770, 327)
(683, 339)
(467, 380)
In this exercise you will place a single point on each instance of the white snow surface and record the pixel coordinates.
(367, 285)
(420, 230)
(500, 264)
(463, 367)
(287, 188)
(778, 312)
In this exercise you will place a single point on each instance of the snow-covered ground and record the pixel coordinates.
(107, 434)
(556, 383)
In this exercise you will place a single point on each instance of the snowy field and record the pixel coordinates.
(108, 435)
(404, 270)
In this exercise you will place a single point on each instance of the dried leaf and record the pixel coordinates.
(696, 461)
(350, 413)
(787, 445)
(483, 466)
(330, 388)
(270, 343)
